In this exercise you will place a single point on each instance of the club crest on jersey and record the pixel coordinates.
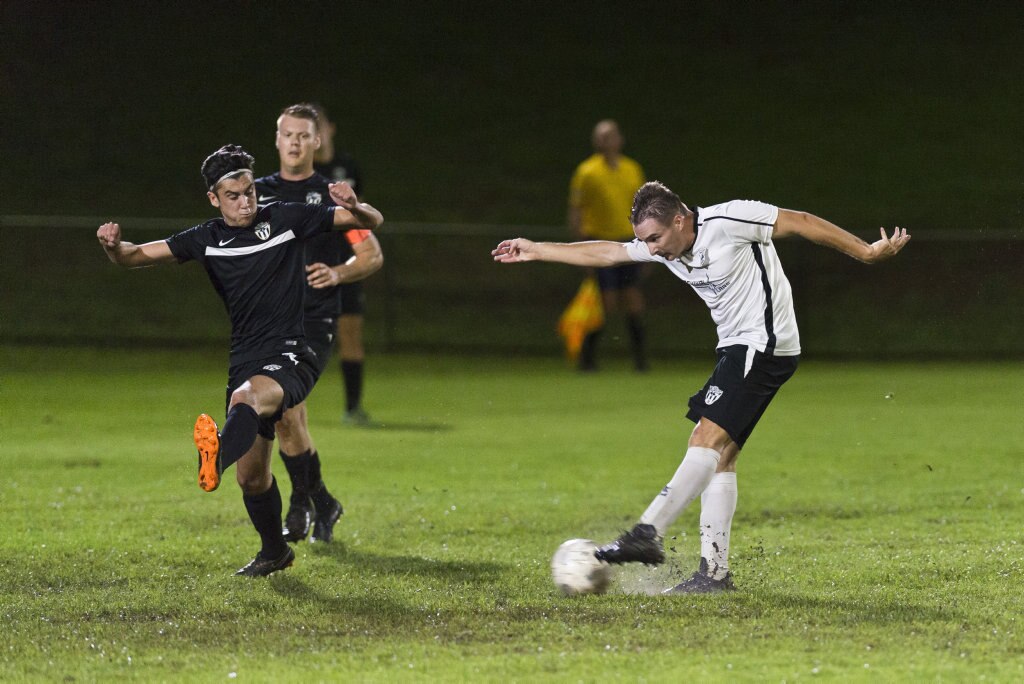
(714, 394)
(314, 198)
(263, 230)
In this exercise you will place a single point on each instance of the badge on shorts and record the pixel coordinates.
(272, 367)
(713, 395)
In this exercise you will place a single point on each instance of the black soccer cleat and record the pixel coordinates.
(638, 545)
(298, 520)
(323, 523)
(261, 567)
(702, 583)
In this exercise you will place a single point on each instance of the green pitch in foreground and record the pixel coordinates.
(878, 535)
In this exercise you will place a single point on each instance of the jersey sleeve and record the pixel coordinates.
(638, 251)
(751, 221)
(310, 219)
(638, 171)
(188, 244)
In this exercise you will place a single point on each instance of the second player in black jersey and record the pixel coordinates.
(337, 165)
(328, 248)
(331, 259)
(254, 258)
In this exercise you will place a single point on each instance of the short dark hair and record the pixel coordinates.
(228, 159)
(303, 110)
(320, 109)
(655, 200)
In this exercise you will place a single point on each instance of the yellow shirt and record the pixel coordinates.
(604, 196)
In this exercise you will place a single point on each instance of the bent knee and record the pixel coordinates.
(710, 435)
(253, 484)
(244, 395)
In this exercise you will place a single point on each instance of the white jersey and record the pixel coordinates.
(735, 269)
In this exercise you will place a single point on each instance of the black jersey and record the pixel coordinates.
(331, 248)
(342, 167)
(257, 271)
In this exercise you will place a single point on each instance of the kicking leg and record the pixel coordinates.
(643, 543)
(257, 397)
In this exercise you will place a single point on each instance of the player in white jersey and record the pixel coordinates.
(725, 253)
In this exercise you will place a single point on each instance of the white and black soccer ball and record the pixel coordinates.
(576, 571)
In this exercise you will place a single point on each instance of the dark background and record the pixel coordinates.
(868, 114)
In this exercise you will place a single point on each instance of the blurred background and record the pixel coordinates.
(468, 118)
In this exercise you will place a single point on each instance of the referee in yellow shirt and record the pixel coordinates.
(600, 199)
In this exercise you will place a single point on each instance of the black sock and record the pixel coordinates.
(352, 376)
(240, 430)
(588, 352)
(313, 472)
(265, 512)
(317, 489)
(298, 473)
(638, 336)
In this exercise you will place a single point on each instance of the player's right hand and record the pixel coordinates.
(513, 251)
(109, 235)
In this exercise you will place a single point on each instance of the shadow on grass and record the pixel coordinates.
(869, 611)
(454, 571)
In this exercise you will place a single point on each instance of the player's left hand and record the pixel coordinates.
(343, 195)
(888, 246)
(320, 275)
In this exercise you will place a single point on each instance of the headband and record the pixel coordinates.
(229, 174)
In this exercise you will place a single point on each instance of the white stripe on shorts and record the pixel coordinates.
(750, 360)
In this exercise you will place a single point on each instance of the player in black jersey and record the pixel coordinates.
(337, 165)
(254, 258)
(331, 258)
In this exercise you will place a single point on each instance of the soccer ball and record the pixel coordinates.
(576, 571)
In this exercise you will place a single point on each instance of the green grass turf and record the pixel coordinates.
(878, 536)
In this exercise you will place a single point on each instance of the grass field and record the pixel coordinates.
(878, 536)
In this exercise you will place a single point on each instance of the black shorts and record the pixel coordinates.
(737, 394)
(353, 301)
(296, 373)
(618, 277)
(320, 334)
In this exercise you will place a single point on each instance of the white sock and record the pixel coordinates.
(692, 476)
(717, 507)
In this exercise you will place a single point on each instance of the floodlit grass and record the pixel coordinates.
(878, 536)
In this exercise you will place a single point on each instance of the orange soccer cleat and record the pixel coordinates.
(208, 443)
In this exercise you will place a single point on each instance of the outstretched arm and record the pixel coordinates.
(822, 232)
(598, 253)
(351, 212)
(367, 260)
(128, 254)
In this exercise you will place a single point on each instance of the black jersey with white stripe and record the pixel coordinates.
(331, 248)
(259, 273)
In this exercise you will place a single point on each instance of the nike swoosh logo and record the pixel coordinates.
(266, 198)
(224, 242)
